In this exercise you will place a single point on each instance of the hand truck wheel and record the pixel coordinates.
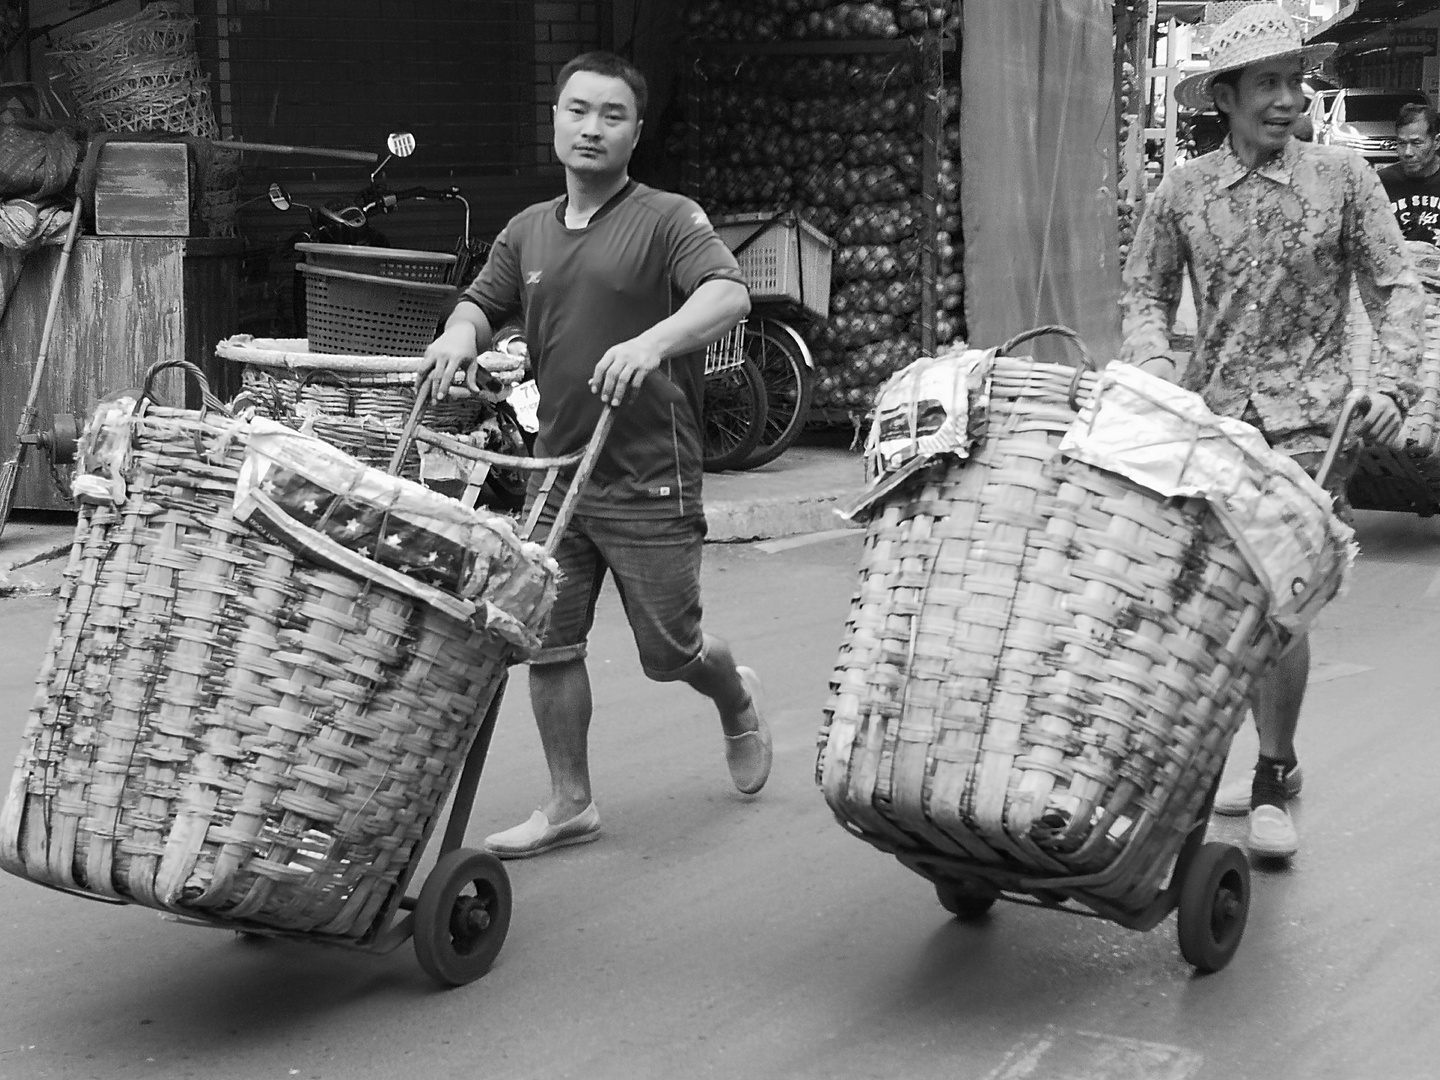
(968, 901)
(1214, 903)
(461, 916)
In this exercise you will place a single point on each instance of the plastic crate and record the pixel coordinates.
(370, 315)
(403, 263)
(782, 258)
(728, 352)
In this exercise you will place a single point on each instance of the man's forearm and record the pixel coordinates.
(469, 314)
(710, 311)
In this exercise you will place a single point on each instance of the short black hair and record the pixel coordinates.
(1226, 78)
(1413, 112)
(611, 66)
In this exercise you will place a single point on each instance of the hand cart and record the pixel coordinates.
(1041, 674)
(244, 739)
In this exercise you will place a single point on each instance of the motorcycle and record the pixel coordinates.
(350, 220)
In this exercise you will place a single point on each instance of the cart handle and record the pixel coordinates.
(1357, 404)
(584, 461)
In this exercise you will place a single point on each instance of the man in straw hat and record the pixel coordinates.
(1272, 231)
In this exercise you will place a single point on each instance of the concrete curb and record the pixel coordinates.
(768, 519)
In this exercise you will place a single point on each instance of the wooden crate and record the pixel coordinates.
(126, 302)
(143, 189)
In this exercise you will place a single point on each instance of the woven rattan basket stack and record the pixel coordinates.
(229, 729)
(358, 403)
(1404, 478)
(1043, 664)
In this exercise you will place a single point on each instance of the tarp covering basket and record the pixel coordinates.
(1044, 663)
(232, 727)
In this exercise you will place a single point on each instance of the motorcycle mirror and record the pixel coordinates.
(400, 143)
(279, 197)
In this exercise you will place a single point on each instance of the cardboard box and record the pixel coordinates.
(143, 189)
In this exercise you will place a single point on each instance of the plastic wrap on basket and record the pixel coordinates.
(1165, 439)
(229, 728)
(467, 561)
(1044, 661)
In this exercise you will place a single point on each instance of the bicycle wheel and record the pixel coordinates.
(779, 353)
(734, 416)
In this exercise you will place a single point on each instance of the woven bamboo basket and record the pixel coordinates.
(1044, 663)
(358, 403)
(227, 730)
(140, 73)
(1404, 478)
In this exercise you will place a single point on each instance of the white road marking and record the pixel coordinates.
(1057, 1054)
(1326, 670)
(770, 547)
(1433, 590)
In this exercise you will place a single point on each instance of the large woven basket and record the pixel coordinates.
(1043, 664)
(1404, 478)
(140, 73)
(358, 403)
(228, 730)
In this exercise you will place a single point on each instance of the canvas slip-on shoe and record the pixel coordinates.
(537, 836)
(1233, 799)
(1272, 833)
(750, 753)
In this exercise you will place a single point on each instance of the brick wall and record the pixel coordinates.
(563, 30)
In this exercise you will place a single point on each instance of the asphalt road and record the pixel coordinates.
(711, 934)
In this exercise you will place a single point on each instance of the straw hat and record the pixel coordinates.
(1252, 35)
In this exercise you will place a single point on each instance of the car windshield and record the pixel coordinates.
(1375, 108)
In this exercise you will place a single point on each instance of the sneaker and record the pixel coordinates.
(1233, 799)
(749, 754)
(537, 836)
(1272, 833)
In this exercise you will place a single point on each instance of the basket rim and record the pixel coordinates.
(783, 220)
(295, 354)
(365, 251)
(399, 284)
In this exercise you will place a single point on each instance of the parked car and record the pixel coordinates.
(1362, 119)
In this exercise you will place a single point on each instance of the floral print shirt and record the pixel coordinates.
(1271, 253)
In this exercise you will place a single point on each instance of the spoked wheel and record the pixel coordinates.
(734, 418)
(778, 352)
(462, 916)
(968, 901)
(1214, 903)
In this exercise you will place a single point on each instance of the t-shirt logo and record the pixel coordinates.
(533, 277)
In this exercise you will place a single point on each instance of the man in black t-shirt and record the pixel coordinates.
(620, 287)
(1413, 183)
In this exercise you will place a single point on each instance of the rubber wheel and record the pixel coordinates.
(968, 901)
(789, 386)
(734, 416)
(462, 916)
(1214, 903)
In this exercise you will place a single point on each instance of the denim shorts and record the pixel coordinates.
(656, 566)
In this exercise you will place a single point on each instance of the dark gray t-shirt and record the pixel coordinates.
(581, 291)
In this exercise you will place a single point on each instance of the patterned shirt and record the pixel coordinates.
(1271, 253)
